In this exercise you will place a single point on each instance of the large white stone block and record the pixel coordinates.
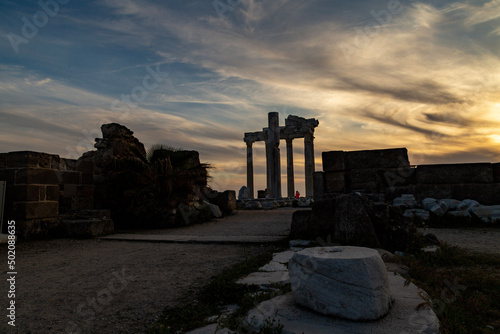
(343, 281)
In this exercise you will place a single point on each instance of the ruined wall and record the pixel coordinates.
(389, 172)
(41, 185)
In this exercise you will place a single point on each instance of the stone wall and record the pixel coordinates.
(389, 172)
(40, 186)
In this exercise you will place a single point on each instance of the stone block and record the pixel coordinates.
(382, 159)
(333, 161)
(88, 228)
(85, 166)
(29, 159)
(226, 201)
(422, 191)
(335, 181)
(69, 177)
(34, 210)
(87, 178)
(439, 209)
(364, 175)
(37, 176)
(406, 200)
(85, 191)
(70, 190)
(3, 160)
(319, 185)
(369, 187)
(451, 203)
(397, 177)
(455, 173)
(300, 224)
(496, 172)
(51, 193)
(486, 194)
(428, 203)
(488, 214)
(344, 281)
(8, 175)
(23, 193)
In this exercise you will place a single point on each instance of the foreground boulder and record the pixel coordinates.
(345, 281)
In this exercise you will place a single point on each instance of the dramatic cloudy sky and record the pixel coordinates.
(377, 74)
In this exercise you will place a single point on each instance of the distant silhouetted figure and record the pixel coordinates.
(297, 194)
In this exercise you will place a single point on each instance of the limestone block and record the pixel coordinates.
(3, 160)
(389, 158)
(8, 175)
(29, 159)
(417, 215)
(253, 205)
(319, 182)
(407, 200)
(214, 209)
(439, 209)
(244, 193)
(496, 172)
(459, 213)
(88, 228)
(25, 192)
(455, 173)
(488, 214)
(37, 176)
(397, 177)
(33, 210)
(335, 181)
(428, 203)
(226, 201)
(300, 224)
(451, 203)
(467, 205)
(487, 194)
(333, 161)
(344, 281)
(364, 175)
(51, 193)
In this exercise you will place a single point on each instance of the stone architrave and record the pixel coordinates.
(295, 127)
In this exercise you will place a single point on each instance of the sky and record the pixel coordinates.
(424, 75)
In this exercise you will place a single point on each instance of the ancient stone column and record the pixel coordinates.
(289, 168)
(309, 165)
(274, 163)
(250, 169)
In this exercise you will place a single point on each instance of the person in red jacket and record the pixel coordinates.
(297, 194)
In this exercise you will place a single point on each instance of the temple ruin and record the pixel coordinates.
(295, 127)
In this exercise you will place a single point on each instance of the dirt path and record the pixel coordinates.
(480, 240)
(92, 286)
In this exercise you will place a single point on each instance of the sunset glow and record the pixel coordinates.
(376, 74)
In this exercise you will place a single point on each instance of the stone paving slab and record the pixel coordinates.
(194, 239)
(266, 278)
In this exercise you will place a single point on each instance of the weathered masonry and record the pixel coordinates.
(389, 172)
(295, 127)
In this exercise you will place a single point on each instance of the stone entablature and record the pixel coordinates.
(295, 127)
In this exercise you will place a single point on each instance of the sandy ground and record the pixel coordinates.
(92, 286)
(480, 240)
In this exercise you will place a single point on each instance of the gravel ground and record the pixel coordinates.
(482, 240)
(92, 286)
